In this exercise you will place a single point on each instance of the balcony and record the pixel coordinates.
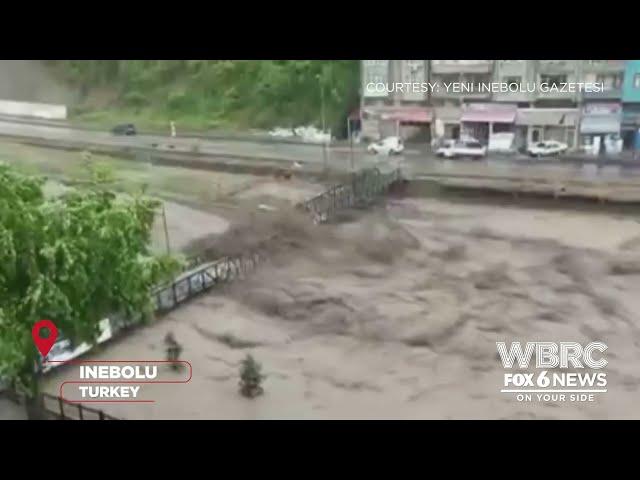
(556, 95)
(441, 92)
(512, 68)
(556, 66)
(603, 66)
(461, 66)
(607, 94)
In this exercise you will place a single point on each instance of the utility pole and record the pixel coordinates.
(324, 143)
(350, 134)
(166, 230)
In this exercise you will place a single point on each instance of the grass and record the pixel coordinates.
(171, 183)
(148, 119)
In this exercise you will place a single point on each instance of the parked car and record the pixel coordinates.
(547, 148)
(387, 146)
(457, 148)
(124, 129)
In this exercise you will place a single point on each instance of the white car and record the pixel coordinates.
(456, 148)
(387, 146)
(547, 148)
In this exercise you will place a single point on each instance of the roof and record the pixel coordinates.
(547, 116)
(489, 112)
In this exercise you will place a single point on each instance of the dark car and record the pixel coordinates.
(124, 129)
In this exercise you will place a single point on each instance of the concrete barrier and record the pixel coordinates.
(37, 110)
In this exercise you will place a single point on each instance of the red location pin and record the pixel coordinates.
(44, 344)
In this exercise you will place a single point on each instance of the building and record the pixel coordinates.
(630, 102)
(518, 72)
(447, 100)
(601, 112)
(456, 106)
(394, 111)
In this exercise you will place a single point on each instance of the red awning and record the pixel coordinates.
(488, 112)
(407, 114)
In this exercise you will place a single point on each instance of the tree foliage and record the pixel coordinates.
(251, 377)
(257, 93)
(75, 260)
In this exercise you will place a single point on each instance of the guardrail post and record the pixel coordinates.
(60, 406)
(80, 411)
(100, 414)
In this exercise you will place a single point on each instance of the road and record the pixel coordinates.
(414, 161)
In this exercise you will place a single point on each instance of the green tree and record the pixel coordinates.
(75, 260)
(251, 377)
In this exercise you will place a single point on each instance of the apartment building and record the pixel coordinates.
(512, 119)
(631, 103)
(393, 111)
(601, 115)
(448, 102)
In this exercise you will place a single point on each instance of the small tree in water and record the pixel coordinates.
(173, 350)
(251, 378)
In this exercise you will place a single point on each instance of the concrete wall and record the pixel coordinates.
(39, 110)
(33, 81)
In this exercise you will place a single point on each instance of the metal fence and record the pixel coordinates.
(208, 275)
(61, 409)
(365, 187)
(57, 408)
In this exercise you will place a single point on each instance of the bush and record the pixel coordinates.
(251, 378)
(135, 99)
(173, 350)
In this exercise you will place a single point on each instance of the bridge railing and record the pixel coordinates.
(365, 187)
(204, 277)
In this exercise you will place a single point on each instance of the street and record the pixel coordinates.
(416, 161)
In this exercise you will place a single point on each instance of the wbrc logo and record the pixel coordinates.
(555, 386)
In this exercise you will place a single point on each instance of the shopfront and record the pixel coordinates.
(630, 125)
(491, 124)
(539, 124)
(411, 123)
(600, 128)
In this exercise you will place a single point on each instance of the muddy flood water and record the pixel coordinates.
(395, 314)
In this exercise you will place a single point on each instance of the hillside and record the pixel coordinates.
(211, 93)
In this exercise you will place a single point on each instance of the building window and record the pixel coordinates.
(449, 78)
(612, 81)
(553, 79)
(636, 80)
(476, 79)
(513, 80)
(414, 71)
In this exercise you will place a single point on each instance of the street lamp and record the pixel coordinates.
(324, 143)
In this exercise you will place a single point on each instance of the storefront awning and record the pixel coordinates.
(596, 124)
(547, 116)
(631, 119)
(448, 114)
(407, 114)
(489, 113)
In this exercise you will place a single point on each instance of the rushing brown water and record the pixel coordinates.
(397, 315)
